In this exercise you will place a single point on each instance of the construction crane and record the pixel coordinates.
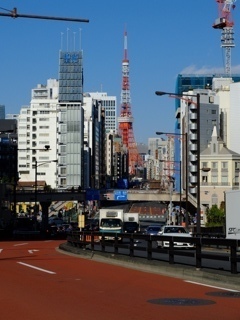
(14, 14)
(225, 23)
(126, 119)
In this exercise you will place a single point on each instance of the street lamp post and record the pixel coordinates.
(197, 96)
(36, 165)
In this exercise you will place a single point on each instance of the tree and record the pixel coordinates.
(215, 216)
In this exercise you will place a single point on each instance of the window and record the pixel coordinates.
(214, 165)
(204, 164)
(224, 180)
(214, 179)
(237, 164)
(214, 199)
(63, 181)
(63, 170)
(224, 165)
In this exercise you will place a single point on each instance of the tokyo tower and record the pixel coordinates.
(125, 120)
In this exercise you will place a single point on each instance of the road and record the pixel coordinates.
(40, 282)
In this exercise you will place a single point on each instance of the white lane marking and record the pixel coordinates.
(32, 251)
(33, 267)
(206, 285)
(20, 244)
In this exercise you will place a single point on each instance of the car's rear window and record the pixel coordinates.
(174, 230)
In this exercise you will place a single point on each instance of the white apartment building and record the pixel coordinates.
(109, 103)
(159, 149)
(37, 128)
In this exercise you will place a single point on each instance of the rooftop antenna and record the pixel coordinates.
(80, 38)
(62, 40)
(74, 35)
(67, 37)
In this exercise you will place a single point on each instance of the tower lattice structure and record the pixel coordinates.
(125, 120)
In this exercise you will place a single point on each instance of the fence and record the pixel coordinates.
(226, 249)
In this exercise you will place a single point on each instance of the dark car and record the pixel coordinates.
(152, 230)
(130, 227)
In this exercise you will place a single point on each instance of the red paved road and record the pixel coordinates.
(85, 289)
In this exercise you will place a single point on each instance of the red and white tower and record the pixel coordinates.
(125, 120)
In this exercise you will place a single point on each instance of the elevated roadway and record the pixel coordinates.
(156, 195)
(131, 195)
(46, 198)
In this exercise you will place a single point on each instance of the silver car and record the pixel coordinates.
(175, 231)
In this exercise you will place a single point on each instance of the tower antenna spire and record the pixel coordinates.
(125, 46)
(126, 120)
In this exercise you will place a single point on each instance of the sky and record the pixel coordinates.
(165, 38)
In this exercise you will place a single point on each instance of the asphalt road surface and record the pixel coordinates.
(38, 281)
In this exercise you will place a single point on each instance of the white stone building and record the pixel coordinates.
(223, 175)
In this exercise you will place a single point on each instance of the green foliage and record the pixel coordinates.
(215, 216)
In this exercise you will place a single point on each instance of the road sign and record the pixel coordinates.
(92, 194)
(120, 195)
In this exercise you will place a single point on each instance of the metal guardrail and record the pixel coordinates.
(92, 239)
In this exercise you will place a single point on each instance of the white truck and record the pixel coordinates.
(110, 220)
(232, 212)
(131, 222)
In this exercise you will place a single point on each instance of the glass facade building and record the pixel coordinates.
(70, 77)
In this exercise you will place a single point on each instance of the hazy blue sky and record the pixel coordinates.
(165, 38)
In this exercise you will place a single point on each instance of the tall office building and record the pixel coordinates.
(109, 104)
(94, 141)
(188, 82)
(70, 120)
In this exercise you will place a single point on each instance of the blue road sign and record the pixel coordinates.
(92, 194)
(120, 195)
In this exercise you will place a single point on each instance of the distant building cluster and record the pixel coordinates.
(67, 138)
